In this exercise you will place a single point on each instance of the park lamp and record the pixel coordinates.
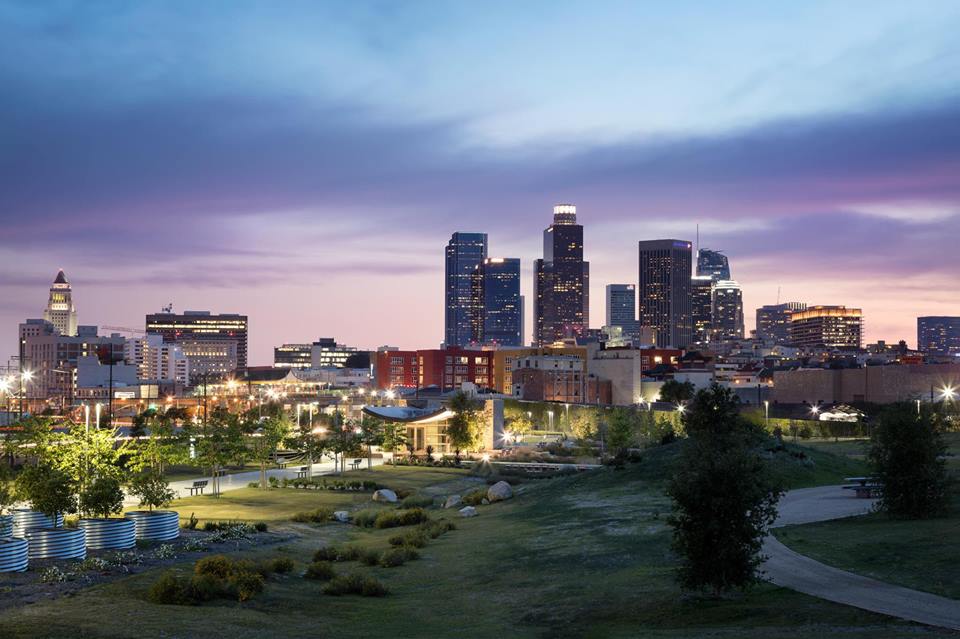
(681, 409)
(948, 393)
(485, 458)
(4, 385)
(390, 394)
(27, 375)
(815, 409)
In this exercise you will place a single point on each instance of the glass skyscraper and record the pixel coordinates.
(726, 302)
(561, 280)
(713, 263)
(465, 252)
(773, 320)
(938, 335)
(497, 294)
(622, 309)
(701, 292)
(664, 291)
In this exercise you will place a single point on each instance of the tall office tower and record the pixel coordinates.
(561, 281)
(827, 326)
(465, 251)
(701, 305)
(664, 291)
(60, 310)
(939, 335)
(199, 331)
(773, 320)
(726, 301)
(622, 309)
(713, 263)
(496, 292)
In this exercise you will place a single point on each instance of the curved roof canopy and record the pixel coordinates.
(408, 414)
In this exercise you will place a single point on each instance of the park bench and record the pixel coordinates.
(863, 487)
(302, 472)
(355, 464)
(198, 486)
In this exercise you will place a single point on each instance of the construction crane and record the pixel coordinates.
(124, 329)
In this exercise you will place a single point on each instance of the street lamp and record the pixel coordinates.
(98, 407)
(766, 414)
(948, 393)
(550, 415)
(681, 409)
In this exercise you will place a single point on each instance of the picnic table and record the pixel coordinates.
(198, 486)
(863, 487)
(355, 464)
(302, 472)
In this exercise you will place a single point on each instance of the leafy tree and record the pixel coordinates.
(394, 437)
(163, 444)
(622, 429)
(217, 441)
(31, 438)
(519, 426)
(584, 425)
(263, 440)
(342, 439)
(103, 497)
(310, 440)
(676, 392)
(152, 489)
(49, 490)
(371, 434)
(463, 429)
(724, 496)
(8, 495)
(906, 454)
(85, 454)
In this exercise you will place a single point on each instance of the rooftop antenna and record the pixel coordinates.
(698, 240)
(778, 296)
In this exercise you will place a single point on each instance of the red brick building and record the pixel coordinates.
(443, 368)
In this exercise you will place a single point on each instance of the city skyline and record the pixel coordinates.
(828, 195)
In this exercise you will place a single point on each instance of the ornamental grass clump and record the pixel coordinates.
(355, 584)
(320, 570)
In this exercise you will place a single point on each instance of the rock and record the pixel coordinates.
(341, 516)
(468, 511)
(453, 501)
(499, 491)
(485, 502)
(385, 494)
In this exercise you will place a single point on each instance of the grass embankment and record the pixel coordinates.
(580, 556)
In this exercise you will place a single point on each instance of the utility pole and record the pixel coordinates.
(20, 364)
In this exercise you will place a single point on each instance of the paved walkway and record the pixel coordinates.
(790, 569)
(240, 480)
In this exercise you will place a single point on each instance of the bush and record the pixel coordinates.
(246, 584)
(393, 519)
(280, 565)
(320, 570)
(317, 516)
(417, 501)
(152, 489)
(202, 588)
(398, 556)
(365, 518)
(102, 497)
(260, 526)
(370, 558)
(475, 498)
(219, 566)
(354, 584)
(167, 590)
(335, 553)
(434, 529)
(192, 522)
(413, 538)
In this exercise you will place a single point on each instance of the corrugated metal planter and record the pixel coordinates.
(159, 525)
(6, 526)
(13, 554)
(57, 543)
(25, 520)
(109, 534)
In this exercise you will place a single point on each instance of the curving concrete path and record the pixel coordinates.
(790, 569)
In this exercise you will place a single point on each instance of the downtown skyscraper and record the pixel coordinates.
(664, 291)
(622, 309)
(465, 252)
(496, 292)
(561, 281)
(713, 263)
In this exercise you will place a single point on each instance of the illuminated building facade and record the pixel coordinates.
(205, 329)
(561, 285)
(496, 292)
(713, 264)
(773, 320)
(701, 307)
(52, 358)
(326, 353)
(726, 302)
(664, 291)
(622, 309)
(939, 335)
(60, 310)
(443, 368)
(292, 355)
(156, 360)
(210, 359)
(827, 326)
(465, 252)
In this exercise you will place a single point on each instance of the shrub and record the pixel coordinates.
(246, 584)
(152, 489)
(202, 588)
(327, 553)
(334, 553)
(365, 518)
(393, 519)
(349, 553)
(417, 501)
(475, 498)
(354, 584)
(434, 529)
(102, 497)
(260, 526)
(398, 556)
(370, 558)
(281, 565)
(413, 538)
(168, 589)
(320, 570)
(219, 566)
(211, 526)
(317, 516)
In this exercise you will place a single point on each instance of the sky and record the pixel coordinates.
(306, 162)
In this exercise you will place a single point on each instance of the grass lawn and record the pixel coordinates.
(580, 556)
(918, 554)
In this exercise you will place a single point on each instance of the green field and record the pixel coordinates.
(580, 556)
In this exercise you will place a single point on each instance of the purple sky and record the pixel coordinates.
(307, 165)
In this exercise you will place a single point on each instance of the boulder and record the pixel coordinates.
(385, 494)
(485, 502)
(468, 511)
(499, 491)
(453, 501)
(341, 516)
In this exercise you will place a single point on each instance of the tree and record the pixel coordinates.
(519, 425)
(724, 497)
(622, 429)
(676, 392)
(49, 490)
(103, 497)
(152, 489)
(217, 441)
(906, 455)
(342, 439)
(463, 430)
(263, 440)
(87, 453)
(583, 424)
(394, 437)
(163, 444)
(8, 495)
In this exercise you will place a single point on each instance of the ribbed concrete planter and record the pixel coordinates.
(13, 554)
(57, 543)
(25, 520)
(110, 534)
(159, 525)
(6, 526)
